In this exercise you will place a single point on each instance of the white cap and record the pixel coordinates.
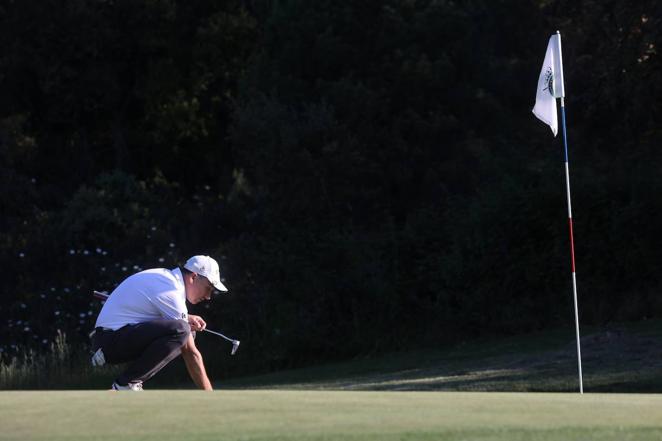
(207, 267)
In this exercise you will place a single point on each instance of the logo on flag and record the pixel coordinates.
(549, 79)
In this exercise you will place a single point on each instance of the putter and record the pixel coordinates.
(103, 296)
(235, 343)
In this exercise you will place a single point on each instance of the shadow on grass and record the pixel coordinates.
(623, 358)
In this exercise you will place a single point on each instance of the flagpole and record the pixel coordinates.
(550, 87)
(572, 248)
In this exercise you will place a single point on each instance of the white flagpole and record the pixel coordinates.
(572, 248)
(572, 240)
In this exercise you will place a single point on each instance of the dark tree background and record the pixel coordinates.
(368, 174)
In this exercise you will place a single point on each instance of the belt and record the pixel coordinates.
(99, 329)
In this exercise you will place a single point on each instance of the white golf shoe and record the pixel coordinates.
(135, 387)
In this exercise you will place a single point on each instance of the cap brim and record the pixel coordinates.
(220, 287)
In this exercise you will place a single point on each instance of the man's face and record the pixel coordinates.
(200, 289)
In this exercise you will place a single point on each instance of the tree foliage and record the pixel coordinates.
(368, 173)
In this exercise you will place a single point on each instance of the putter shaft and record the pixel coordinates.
(221, 335)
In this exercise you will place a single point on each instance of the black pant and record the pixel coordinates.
(148, 346)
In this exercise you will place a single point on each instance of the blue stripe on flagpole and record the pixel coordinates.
(565, 134)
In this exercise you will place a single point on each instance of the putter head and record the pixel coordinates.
(235, 346)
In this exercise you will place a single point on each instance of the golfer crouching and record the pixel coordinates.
(145, 322)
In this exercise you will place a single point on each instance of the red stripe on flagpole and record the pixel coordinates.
(572, 245)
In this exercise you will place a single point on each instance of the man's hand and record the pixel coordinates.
(196, 322)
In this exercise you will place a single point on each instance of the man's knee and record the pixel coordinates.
(181, 330)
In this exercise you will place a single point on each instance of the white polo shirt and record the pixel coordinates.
(152, 294)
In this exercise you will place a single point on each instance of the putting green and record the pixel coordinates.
(314, 415)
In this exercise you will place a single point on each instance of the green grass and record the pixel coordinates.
(327, 415)
(357, 400)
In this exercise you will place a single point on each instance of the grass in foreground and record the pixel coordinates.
(327, 415)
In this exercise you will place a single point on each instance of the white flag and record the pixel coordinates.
(550, 84)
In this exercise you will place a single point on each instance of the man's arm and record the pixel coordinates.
(194, 364)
